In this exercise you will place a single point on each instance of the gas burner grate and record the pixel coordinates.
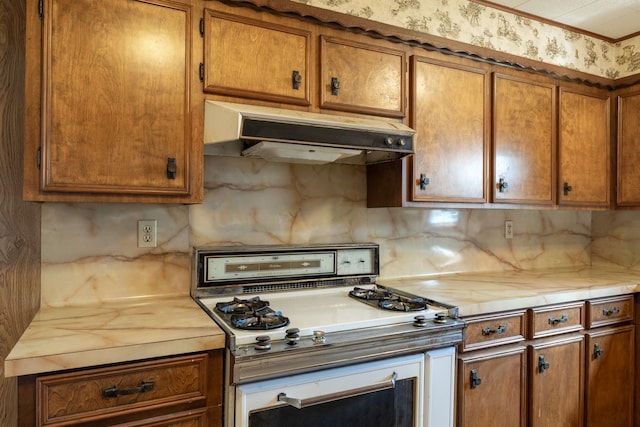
(242, 306)
(403, 304)
(259, 321)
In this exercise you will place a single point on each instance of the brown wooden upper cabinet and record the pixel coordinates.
(584, 149)
(449, 111)
(256, 59)
(524, 138)
(628, 193)
(362, 78)
(108, 105)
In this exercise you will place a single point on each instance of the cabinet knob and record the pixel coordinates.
(543, 365)
(335, 86)
(114, 391)
(554, 320)
(610, 311)
(296, 79)
(424, 181)
(475, 379)
(597, 351)
(172, 168)
(566, 188)
(502, 185)
(499, 330)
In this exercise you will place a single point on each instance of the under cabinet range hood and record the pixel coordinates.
(301, 137)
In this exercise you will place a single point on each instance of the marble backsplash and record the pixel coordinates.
(89, 251)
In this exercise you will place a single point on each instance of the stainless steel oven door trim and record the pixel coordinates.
(262, 395)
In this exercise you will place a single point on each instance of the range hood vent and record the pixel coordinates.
(300, 137)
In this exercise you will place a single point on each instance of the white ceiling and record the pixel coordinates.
(610, 19)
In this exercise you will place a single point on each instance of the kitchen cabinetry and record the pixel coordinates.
(584, 148)
(177, 391)
(112, 118)
(524, 138)
(628, 178)
(610, 362)
(489, 365)
(449, 110)
(362, 78)
(256, 59)
(566, 364)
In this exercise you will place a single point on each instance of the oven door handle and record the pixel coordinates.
(303, 403)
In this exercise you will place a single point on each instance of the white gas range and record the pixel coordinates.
(304, 320)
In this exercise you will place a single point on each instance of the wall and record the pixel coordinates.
(89, 252)
(616, 239)
(19, 221)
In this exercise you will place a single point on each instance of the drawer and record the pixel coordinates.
(498, 329)
(95, 394)
(557, 319)
(609, 311)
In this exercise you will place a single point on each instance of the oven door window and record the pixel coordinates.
(385, 394)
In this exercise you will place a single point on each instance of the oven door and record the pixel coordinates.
(387, 393)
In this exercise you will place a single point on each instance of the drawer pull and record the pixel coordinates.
(499, 330)
(543, 365)
(475, 379)
(609, 312)
(563, 319)
(115, 392)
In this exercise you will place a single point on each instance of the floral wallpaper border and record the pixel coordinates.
(490, 28)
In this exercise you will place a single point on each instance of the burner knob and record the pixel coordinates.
(420, 321)
(293, 336)
(263, 342)
(318, 337)
(440, 318)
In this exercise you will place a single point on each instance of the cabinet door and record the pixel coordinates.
(609, 388)
(256, 59)
(628, 193)
(116, 81)
(489, 382)
(362, 78)
(584, 149)
(524, 141)
(449, 110)
(556, 382)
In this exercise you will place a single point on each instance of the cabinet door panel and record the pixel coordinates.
(371, 78)
(256, 59)
(556, 390)
(610, 361)
(584, 149)
(116, 103)
(449, 107)
(524, 141)
(628, 193)
(501, 376)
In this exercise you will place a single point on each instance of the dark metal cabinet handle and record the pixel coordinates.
(609, 312)
(296, 79)
(115, 392)
(172, 168)
(543, 365)
(424, 181)
(502, 185)
(475, 379)
(499, 330)
(554, 320)
(566, 188)
(597, 351)
(335, 86)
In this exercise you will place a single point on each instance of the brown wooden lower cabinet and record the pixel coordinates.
(556, 381)
(180, 391)
(609, 380)
(491, 386)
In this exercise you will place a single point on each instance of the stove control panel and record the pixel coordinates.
(356, 261)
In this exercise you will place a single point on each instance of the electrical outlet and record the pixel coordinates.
(147, 233)
(508, 229)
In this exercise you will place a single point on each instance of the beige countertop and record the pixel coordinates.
(121, 331)
(480, 293)
(111, 332)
